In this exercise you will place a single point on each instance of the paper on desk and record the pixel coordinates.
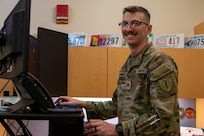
(190, 131)
(9, 99)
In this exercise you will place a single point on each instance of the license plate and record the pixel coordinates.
(195, 41)
(169, 41)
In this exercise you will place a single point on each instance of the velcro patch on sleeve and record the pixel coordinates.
(166, 84)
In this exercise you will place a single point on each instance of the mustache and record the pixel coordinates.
(131, 33)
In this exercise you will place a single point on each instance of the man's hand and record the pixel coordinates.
(97, 127)
(66, 100)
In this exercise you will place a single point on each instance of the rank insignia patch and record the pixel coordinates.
(166, 84)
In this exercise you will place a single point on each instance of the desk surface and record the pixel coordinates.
(33, 116)
(40, 116)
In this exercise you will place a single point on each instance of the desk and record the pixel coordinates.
(59, 123)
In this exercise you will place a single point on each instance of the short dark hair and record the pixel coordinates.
(133, 9)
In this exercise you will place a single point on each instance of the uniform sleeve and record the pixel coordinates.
(163, 98)
(101, 110)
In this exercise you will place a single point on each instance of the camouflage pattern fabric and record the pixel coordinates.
(145, 100)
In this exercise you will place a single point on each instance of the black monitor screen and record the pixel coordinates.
(33, 56)
(14, 60)
(53, 48)
(14, 41)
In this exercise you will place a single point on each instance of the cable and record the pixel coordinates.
(20, 129)
(25, 130)
(7, 127)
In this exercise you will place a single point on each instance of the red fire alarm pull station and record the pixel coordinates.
(62, 14)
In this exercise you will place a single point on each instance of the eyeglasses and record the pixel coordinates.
(132, 24)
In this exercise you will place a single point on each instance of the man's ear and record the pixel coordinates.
(149, 29)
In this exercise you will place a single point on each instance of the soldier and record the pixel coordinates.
(145, 100)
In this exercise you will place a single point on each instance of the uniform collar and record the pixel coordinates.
(137, 59)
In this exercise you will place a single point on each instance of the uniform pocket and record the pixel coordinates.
(160, 71)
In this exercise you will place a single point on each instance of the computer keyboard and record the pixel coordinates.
(65, 109)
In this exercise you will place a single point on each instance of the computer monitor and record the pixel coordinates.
(33, 56)
(14, 60)
(14, 40)
(53, 56)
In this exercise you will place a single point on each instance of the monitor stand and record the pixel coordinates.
(33, 95)
(21, 104)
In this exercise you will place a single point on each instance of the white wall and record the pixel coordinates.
(103, 16)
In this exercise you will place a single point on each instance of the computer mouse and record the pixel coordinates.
(65, 106)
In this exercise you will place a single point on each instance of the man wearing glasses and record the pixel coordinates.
(145, 100)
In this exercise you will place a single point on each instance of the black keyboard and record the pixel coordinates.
(65, 109)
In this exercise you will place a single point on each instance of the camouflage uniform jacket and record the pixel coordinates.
(145, 100)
